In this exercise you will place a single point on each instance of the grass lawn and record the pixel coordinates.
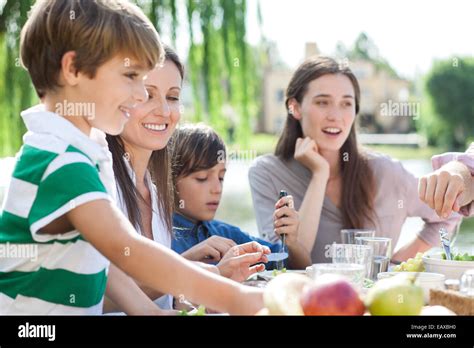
(407, 152)
(265, 143)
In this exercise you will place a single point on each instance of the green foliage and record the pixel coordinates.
(223, 70)
(17, 90)
(365, 49)
(430, 124)
(224, 67)
(450, 85)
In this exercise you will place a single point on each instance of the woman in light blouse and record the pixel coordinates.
(334, 183)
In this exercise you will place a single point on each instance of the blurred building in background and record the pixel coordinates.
(378, 88)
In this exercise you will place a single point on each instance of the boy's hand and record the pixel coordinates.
(286, 220)
(306, 152)
(210, 250)
(446, 190)
(237, 263)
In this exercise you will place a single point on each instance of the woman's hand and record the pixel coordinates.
(306, 152)
(286, 220)
(210, 250)
(446, 189)
(237, 262)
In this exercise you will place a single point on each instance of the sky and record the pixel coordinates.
(410, 34)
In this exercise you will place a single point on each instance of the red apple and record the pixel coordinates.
(331, 295)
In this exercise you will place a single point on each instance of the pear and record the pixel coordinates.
(397, 295)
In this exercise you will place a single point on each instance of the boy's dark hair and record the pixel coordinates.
(195, 147)
(96, 30)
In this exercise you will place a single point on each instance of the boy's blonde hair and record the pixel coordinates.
(96, 30)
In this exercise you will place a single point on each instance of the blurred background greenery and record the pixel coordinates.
(225, 74)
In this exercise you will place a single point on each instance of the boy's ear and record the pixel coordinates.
(294, 108)
(68, 68)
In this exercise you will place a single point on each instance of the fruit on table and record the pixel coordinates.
(263, 311)
(411, 265)
(396, 295)
(282, 294)
(436, 310)
(278, 272)
(368, 283)
(332, 295)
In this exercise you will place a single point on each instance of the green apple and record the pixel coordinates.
(397, 295)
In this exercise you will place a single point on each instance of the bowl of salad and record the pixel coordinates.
(453, 269)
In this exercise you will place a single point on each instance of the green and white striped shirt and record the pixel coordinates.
(57, 169)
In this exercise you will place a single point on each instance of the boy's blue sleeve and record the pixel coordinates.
(238, 236)
(178, 245)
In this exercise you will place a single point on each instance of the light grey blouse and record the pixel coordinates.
(396, 199)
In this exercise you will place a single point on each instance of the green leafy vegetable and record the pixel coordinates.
(200, 311)
(460, 257)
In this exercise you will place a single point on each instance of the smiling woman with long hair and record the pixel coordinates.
(142, 170)
(335, 183)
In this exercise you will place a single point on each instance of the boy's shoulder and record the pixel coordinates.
(222, 228)
(50, 177)
(220, 224)
(52, 142)
(43, 154)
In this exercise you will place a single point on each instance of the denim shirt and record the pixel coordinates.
(187, 234)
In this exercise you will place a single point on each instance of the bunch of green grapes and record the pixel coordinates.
(277, 272)
(411, 265)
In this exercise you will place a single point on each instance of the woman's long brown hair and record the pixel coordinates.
(159, 167)
(357, 177)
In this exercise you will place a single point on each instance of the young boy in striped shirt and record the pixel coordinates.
(87, 60)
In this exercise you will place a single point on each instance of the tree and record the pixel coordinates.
(17, 92)
(450, 85)
(365, 49)
(222, 69)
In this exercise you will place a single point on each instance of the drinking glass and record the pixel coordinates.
(352, 253)
(381, 253)
(353, 271)
(348, 235)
